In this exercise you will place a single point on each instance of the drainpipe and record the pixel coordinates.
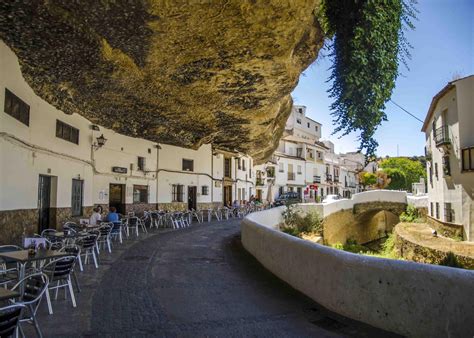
(212, 175)
(157, 171)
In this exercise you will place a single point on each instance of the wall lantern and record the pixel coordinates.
(100, 142)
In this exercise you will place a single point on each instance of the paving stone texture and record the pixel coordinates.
(194, 282)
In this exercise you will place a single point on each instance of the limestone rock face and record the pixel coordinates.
(177, 72)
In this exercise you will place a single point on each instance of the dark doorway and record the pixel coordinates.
(77, 197)
(44, 202)
(117, 197)
(228, 195)
(192, 193)
(299, 190)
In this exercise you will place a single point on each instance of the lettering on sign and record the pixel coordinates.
(120, 170)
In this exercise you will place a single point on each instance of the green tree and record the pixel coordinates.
(398, 167)
(368, 179)
(398, 180)
(368, 44)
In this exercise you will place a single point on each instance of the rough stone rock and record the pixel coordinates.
(178, 72)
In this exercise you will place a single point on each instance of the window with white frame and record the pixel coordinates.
(140, 194)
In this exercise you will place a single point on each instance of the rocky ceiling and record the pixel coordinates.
(177, 72)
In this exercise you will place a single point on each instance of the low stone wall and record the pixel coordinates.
(404, 297)
(450, 230)
(415, 242)
(14, 222)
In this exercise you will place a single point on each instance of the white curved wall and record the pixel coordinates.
(404, 297)
(326, 209)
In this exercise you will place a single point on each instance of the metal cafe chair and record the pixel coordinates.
(10, 319)
(8, 270)
(74, 250)
(59, 271)
(132, 223)
(103, 240)
(87, 244)
(34, 287)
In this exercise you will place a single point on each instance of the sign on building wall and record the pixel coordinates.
(120, 170)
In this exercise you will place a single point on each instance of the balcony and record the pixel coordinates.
(441, 136)
(316, 179)
(291, 176)
(336, 178)
(328, 177)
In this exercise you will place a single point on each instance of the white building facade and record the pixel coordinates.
(449, 129)
(304, 164)
(54, 167)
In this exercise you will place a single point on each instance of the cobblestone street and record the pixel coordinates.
(194, 282)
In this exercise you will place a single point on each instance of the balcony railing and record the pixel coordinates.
(291, 176)
(441, 136)
(336, 178)
(316, 179)
(329, 177)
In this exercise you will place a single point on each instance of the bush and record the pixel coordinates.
(387, 251)
(295, 223)
(451, 261)
(411, 215)
(351, 246)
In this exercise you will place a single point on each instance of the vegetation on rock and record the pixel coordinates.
(451, 261)
(368, 44)
(387, 249)
(411, 215)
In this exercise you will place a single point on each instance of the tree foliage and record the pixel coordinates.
(368, 179)
(368, 44)
(398, 167)
(398, 179)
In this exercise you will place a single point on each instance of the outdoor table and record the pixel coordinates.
(6, 294)
(22, 257)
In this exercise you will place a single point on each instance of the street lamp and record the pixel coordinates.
(100, 142)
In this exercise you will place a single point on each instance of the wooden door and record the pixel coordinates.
(192, 195)
(44, 202)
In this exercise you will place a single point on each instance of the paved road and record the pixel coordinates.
(193, 282)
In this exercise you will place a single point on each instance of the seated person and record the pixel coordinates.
(112, 216)
(96, 216)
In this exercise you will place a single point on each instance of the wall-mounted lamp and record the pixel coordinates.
(100, 142)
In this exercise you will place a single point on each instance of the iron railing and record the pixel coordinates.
(441, 136)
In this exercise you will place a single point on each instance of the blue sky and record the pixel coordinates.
(443, 46)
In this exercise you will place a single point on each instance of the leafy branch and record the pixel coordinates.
(369, 42)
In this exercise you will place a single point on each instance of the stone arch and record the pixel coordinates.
(365, 222)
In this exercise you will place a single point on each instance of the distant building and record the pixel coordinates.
(305, 164)
(449, 129)
(419, 188)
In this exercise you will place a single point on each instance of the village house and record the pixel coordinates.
(57, 167)
(448, 127)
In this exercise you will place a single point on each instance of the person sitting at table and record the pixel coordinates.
(112, 216)
(236, 204)
(96, 216)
